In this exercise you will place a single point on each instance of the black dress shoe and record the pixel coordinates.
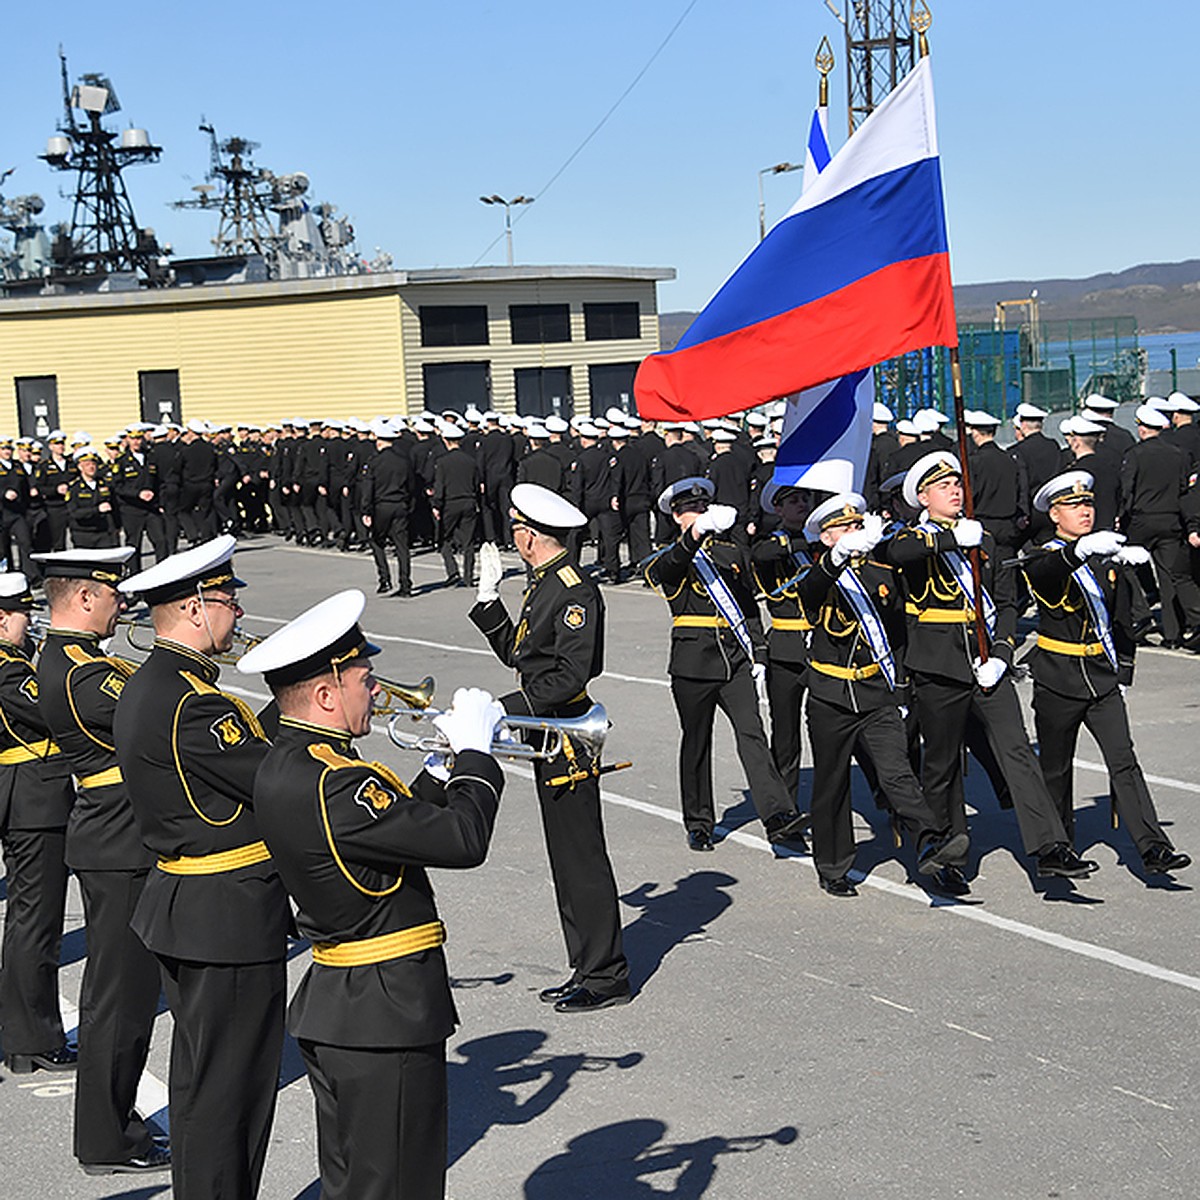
(385, 586)
(951, 881)
(454, 581)
(1141, 629)
(585, 1000)
(942, 852)
(157, 1158)
(1161, 859)
(403, 592)
(1191, 641)
(781, 827)
(65, 1058)
(1063, 862)
(838, 887)
(552, 995)
(699, 839)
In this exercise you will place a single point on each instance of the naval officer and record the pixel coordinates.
(556, 646)
(1084, 660)
(213, 911)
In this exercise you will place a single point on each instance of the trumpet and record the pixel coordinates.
(141, 635)
(399, 698)
(587, 732)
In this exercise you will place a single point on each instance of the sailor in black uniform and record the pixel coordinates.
(36, 794)
(351, 842)
(718, 659)
(556, 646)
(385, 493)
(1041, 457)
(91, 504)
(213, 911)
(951, 679)
(1084, 661)
(999, 484)
(135, 482)
(456, 493)
(78, 690)
(855, 608)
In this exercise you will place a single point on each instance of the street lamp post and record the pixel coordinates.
(508, 205)
(778, 169)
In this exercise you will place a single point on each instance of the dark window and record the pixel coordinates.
(160, 396)
(37, 405)
(454, 325)
(611, 386)
(544, 392)
(604, 322)
(457, 386)
(540, 323)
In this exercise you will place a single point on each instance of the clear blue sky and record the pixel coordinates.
(1068, 129)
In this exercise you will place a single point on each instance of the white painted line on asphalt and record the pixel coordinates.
(1144, 1099)
(983, 1037)
(893, 1004)
(1179, 784)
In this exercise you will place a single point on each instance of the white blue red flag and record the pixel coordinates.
(826, 437)
(857, 272)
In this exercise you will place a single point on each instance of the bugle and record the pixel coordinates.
(587, 731)
(396, 698)
(140, 633)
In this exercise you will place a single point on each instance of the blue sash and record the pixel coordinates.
(1094, 595)
(961, 569)
(723, 600)
(852, 588)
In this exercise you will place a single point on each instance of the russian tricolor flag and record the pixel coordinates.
(857, 272)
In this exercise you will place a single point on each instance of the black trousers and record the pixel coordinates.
(584, 885)
(460, 520)
(56, 526)
(636, 531)
(196, 520)
(33, 920)
(696, 701)
(381, 1120)
(1057, 720)
(835, 734)
(606, 526)
(389, 524)
(786, 685)
(943, 706)
(16, 544)
(117, 1006)
(135, 522)
(496, 500)
(225, 1056)
(1163, 536)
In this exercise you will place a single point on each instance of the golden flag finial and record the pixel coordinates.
(824, 64)
(922, 18)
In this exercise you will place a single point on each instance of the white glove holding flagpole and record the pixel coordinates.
(1103, 544)
(968, 532)
(715, 519)
(491, 571)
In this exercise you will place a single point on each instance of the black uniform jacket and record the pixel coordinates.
(1065, 624)
(351, 842)
(78, 690)
(83, 506)
(189, 753)
(130, 478)
(35, 777)
(557, 643)
(941, 618)
(386, 479)
(703, 646)
(777, 561)
(843, 667)
(1154, 479)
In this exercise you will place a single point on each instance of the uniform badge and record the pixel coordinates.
(883, 591)
(374, 797)
(575, 616)
(229, 731)
(29, 689)
(112, 685)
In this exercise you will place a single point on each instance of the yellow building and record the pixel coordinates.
(532, 340)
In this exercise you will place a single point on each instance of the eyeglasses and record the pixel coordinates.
(225, 601)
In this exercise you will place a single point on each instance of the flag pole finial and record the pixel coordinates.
(922, 18)
(824, 63)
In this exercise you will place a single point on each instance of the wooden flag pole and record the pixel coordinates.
(968, 503)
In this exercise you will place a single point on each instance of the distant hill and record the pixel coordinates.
(1164, 297)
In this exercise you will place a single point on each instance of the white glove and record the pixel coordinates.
(967, 533)
(715, 519)
(759, 672)
(491, 571)
(902, 709)
(1103, 544)
(470, 723)
(1122, 688)
(1132, 556)
(988, 674)
(872, 530)
(437, 765)
(848, 545)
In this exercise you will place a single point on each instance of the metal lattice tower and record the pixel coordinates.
(103, 235)
(880, 51)
(244, 194)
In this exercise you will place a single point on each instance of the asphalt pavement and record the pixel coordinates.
(1037, 1041)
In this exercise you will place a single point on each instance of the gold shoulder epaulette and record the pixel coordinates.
(78, 655)
(199, 686)
(326, 754)
(569, 575)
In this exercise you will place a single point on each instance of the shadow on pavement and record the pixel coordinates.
(622, 1159)
(669, 918)
(481, 1086)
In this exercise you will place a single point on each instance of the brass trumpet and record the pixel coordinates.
(395, 699)
(587, 732)
(141, 635)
